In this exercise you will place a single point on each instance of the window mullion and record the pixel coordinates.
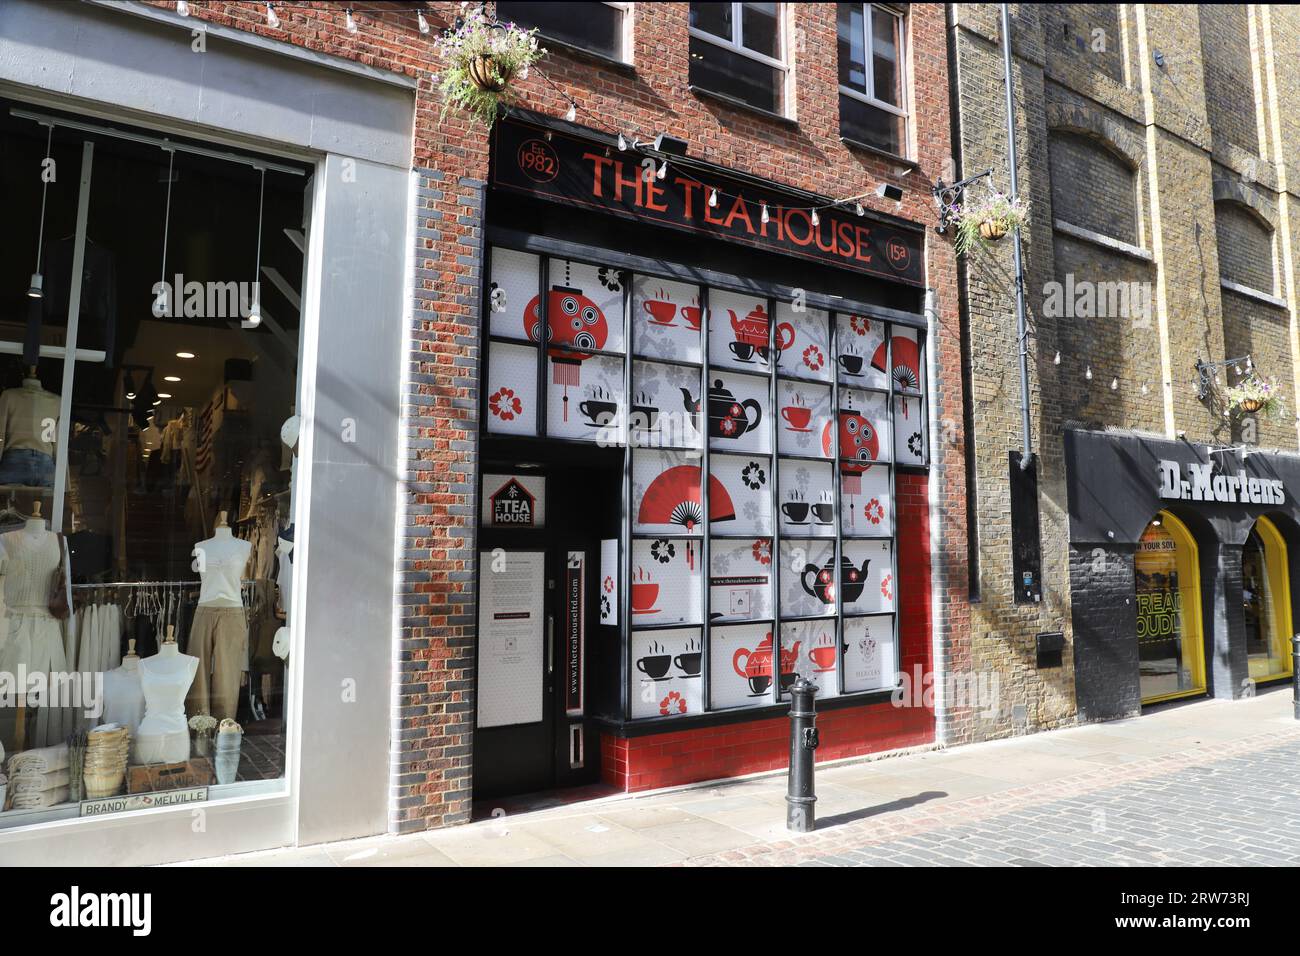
(869, 50)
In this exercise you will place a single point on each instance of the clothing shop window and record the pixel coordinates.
(1266, 602)
(737, 51)
(600, 28)
(783, 561)
(147, 466)
(1171, 653)
(872, 69)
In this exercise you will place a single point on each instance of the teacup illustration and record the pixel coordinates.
(644, 594)
(654, 666)
(692, 314)
(743, 351)
(796, 511)
(823, 657)
(688, 664)
(599, 412)
(661, 312)
(852, 364)
(797, 416)
(824, 512)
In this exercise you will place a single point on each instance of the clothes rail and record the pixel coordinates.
(151, 584)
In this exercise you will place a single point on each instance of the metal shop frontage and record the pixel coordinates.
(1181, 575)
(704, 470)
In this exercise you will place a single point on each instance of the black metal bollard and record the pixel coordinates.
(1295, 675)
(801, 793)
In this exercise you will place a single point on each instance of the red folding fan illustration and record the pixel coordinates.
(907, 362)
(674, 498)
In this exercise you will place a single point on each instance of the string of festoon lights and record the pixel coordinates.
(628, 138)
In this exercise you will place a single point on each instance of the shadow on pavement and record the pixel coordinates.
(839, 819)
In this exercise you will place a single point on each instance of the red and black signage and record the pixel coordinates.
(580, 172)
(514, 506)
(575, 613)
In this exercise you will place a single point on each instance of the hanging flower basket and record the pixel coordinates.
(485, 74)
(987, 219)
(1255, 395)
(482, 58)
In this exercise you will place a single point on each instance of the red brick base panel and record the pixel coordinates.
(733, 750)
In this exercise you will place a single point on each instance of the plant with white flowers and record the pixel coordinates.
(1255, 395)
(988, 219)
(482, 57)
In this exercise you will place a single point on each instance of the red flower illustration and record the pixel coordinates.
(763, 551)
(609, 584)
(673, 700)
(873, 511)
(885, 587)
(860, 324)
(813, 358)
(505, 404)
(727, 426)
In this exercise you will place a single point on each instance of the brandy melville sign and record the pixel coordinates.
(579, 172)
(1199, 482)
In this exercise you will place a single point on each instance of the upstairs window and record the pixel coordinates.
(873, 88)
(599, 28)
(737, 52)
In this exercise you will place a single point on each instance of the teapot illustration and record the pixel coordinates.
(852, 580)
(757, 666)
(752, 330)
(727, 416)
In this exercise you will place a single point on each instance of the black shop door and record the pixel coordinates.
(538, 605)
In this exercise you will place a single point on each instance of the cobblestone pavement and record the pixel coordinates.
(1237, 811)
(1208, 782)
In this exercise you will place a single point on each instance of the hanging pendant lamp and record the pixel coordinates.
(255, 313)
(161, 304)
(37, 287)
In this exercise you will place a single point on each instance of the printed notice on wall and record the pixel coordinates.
(511, 637)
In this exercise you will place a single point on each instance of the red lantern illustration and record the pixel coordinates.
(572, 320)
(859, 445)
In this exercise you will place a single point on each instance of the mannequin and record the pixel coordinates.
(28, 416)
(219, 632)
(33, 637)
(163, 736)
(124, 694)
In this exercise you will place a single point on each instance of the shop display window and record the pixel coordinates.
(148, 462)
(1171, 653)
(799, 417)
(1266, 602)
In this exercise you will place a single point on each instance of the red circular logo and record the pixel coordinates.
(897, 253)
(537, 161)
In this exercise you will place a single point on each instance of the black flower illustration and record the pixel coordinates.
(754, 476)
(662, 550)
(611, 279)
(915, 445)
(497, 298)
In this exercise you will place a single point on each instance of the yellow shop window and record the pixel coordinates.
(1171, 654)
(1266, 600)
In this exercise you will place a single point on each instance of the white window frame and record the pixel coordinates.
(869, 40)
(625, 36)
(734, 45)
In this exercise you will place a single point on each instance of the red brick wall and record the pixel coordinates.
(711, 753)
(432, 738)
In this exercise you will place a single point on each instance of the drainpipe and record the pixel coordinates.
(1022, 326)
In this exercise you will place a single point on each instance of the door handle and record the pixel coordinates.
(550, 643)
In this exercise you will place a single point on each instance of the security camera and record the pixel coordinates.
(890, 192)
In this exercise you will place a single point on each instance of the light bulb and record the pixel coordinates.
(182, 8)
(1114, 384)
(1144, 388)
(663, 170)
(815, 218)
(1056, 360)
(423, 23)
(37, 288)
(350, 23)
(857, 207)
(273, 21)
(622, 143)
(1088, 373)
(254, 316)
(765, 217)
(572, 113)
(130, 396)
(713, 197)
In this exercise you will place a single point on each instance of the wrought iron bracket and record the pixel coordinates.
(948, 195)
(1206, 373)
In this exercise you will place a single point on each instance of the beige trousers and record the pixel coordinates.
(219, 639)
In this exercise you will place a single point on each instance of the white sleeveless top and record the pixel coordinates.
(164, 682)
(221, 572)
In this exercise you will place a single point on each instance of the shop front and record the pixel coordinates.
(200, 337)
(704, 469)
(1181, 582)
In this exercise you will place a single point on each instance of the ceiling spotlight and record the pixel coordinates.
(162, 395)
(130, 396)
(157, 403)
(185, 355)
(171, 378)
(36, 289)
